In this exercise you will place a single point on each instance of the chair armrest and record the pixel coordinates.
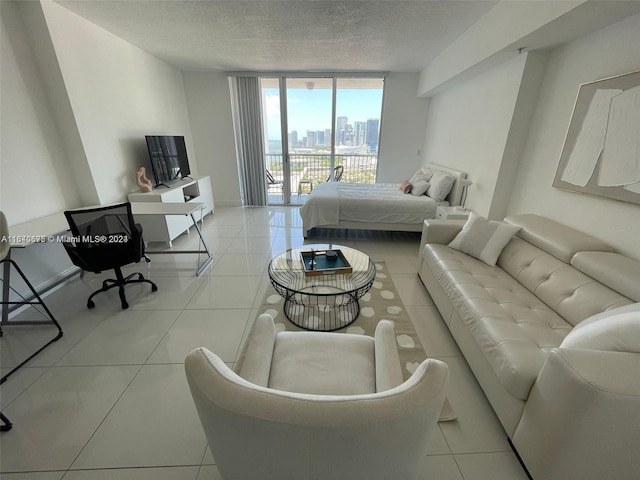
(388, 368)
(256, 367)
(439, 231)
(582, 417)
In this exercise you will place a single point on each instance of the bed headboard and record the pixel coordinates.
(455, 196)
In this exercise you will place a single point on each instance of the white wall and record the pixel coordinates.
(469, 125)
(209, 105)
(501, 31)
(118, 94)
(36, 178)
(35, 173)
(76, 104)
(611, 51)
(404, 122)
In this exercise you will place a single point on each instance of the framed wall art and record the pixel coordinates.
(601, 153)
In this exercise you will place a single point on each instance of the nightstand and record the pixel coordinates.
(451, 213)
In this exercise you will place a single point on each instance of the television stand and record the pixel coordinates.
(158, 228)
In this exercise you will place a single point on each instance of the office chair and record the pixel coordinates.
(107, 238)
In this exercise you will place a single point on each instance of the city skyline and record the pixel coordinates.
(310, 110)
(355, 133)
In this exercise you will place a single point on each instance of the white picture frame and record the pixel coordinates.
(601, 152)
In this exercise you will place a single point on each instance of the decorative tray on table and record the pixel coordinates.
(324, 262)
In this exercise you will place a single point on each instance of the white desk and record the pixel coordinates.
(38, 230)
(46, 229)
(156, 208)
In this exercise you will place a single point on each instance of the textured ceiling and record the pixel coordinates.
(270, 35)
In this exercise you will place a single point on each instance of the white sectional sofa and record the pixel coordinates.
(572, 413)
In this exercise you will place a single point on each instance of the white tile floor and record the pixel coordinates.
(110, 399)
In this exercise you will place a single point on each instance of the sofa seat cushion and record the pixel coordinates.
(512, 327)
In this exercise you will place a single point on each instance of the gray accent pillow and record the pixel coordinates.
(483, 239)
(440, 186)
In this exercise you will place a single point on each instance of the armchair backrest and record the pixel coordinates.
(259, 433)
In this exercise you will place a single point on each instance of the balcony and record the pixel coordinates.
(308, 170)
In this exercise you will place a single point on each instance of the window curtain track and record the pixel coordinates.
(249, 140)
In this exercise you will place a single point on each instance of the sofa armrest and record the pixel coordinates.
(582, 417)
(439, 231)
(256, 366)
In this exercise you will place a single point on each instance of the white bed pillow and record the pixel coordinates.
(616, 330)
(428, 173)
(483, 239)
(420, 187)
(440, 185)
(423, 173)
(416, 176)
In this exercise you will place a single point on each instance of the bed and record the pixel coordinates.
(378, 206)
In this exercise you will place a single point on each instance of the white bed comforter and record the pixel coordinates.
(332, 202)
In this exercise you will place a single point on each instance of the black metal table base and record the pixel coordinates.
(321, 313)
(38, 301)
(6, 423)
(324, 301)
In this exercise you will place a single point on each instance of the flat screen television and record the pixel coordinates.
(168, 154)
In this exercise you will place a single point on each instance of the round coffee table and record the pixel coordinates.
(324, 302)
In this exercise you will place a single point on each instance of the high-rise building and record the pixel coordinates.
(347, 139)
(294, 138)
(373, 124)
(327, 137)
(341, 123)
(320, 138)
(311, 138)
(359, 133)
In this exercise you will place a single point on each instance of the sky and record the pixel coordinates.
(311, 109)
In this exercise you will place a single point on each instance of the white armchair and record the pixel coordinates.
(315, 405)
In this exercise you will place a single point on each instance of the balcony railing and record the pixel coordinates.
(316, 168)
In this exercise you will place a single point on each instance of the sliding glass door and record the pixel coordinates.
(309, 119)
(358, 114)
(331, 126)
(272, 134)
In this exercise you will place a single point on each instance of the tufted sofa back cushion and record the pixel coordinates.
(614, 270)
(555, 238)
(570, 293)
